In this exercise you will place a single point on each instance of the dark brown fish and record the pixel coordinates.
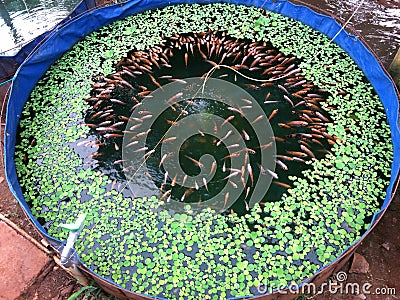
(154, 81)
(252, 86)
(165, 194)
(288, 100)
(317, 142)
(286, 186)
(95, 155)
(226, 198)
(282, 165)
(196, 162)
(257, 119)
(273, 113)
(308, 151)
(265, 145)
(228, 119)
(297, 153)
(131, 144)
(299, 83)
(283, 125)
(321, 116)
(112, 135)
(279, 139)
(250, 170)
(169, 139)
(174, 97)
(284, 157)
(165, 77)
(144, 93)
(297, 123)
(267, 83)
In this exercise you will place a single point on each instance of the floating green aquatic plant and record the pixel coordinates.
(211, 256)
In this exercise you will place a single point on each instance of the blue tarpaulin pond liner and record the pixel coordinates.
(61, 39)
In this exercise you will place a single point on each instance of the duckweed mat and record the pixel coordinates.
(325, 208)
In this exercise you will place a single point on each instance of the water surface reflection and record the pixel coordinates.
(378, 22)
(23, 20)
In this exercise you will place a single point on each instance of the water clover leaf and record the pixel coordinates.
(261, 22)
(340, 164)
(242, 265)
(130, 30)
(108, 54)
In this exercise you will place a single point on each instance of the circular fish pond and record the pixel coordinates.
(217, 150)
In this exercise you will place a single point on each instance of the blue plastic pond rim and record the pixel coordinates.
(62, 39)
